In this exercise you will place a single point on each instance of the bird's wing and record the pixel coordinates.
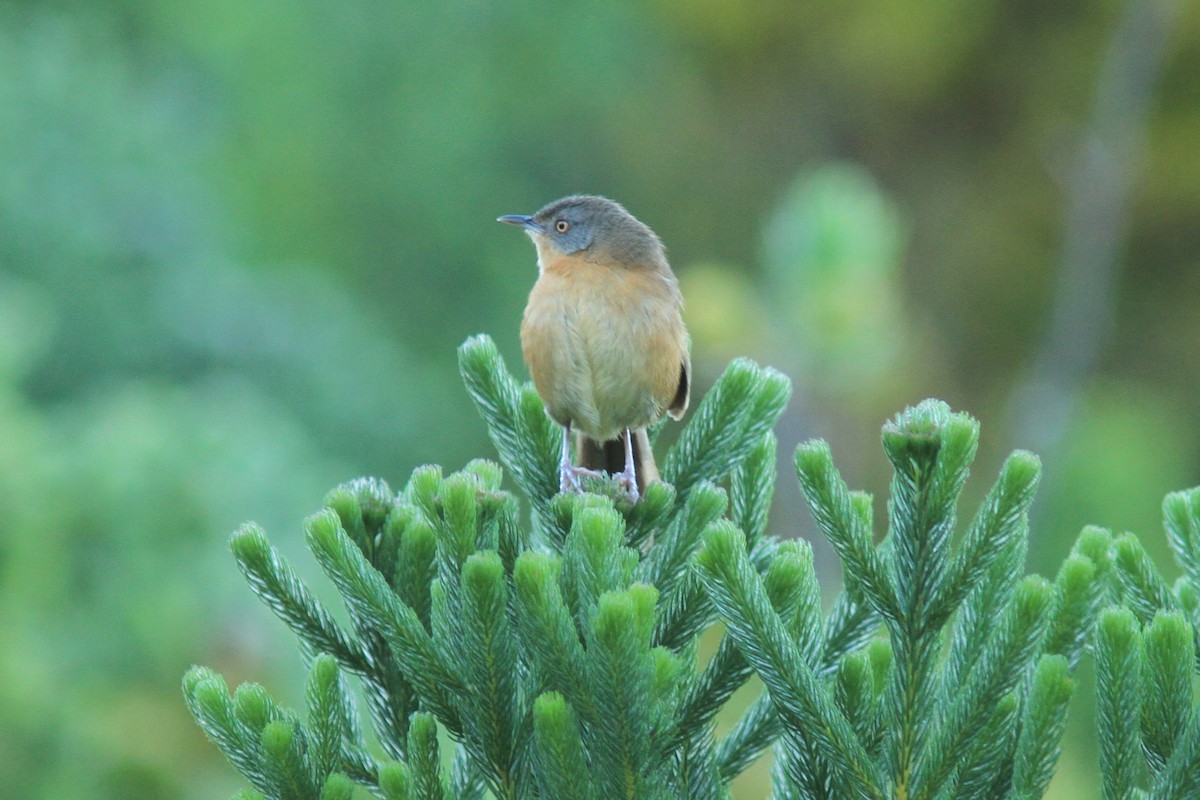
(683, 391)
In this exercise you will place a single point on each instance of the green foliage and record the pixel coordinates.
(561, 657)
(1118, 668)
(562, 660)
(1147, 656)
(1045, 717)
(981, 717)
(278, 755)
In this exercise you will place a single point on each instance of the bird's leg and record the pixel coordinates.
(628, 478)
(568, 480)
(569, 473)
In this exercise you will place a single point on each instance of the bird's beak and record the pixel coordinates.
(523, 220)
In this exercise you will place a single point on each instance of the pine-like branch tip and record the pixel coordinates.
(249, 544)
(395, 781)
(1182, 505)
(926, 419)
(1188, 594)
(882, 656)
(644, 598)
(533, 571)
(552, 715)
(1034, 594)
(855, 675)
(1169, 631)
(599, 525)
(1076, 574)
(707, 499)
(323, 531)
(482, 572)
(211, 695)
(918, 427)
(1021, 472)
(277, 738)
(458, 495)
(252, 705)
(477, 352)
(814, 457)
(423, 727)
(1133, 560)
(667, 669)
(619, 613)
(613, 616)
(960, 435)
(489, 473)
(864, 506)
(723, 544)
(324, 670)
(777, 387)
(1095, 543)
(195, 676)
(1117, 629)
(424, 486)
(920, 432)
(1053, 673)
(787, 570)
(371, 498)
(1127, 544)
(337, 787)
(739, 371)
(1181, 519)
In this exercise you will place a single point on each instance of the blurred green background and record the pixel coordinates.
(240, 241)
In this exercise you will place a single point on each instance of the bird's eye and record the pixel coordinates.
(562, 226)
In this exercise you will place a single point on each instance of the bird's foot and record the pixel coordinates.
(627, 481)
(571, 477)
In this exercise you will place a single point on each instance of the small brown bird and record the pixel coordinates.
(603, 336)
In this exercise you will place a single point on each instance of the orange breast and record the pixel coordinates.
(604, 344)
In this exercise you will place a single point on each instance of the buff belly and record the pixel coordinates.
(604, 354)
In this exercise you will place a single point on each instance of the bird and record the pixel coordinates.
(603, 337)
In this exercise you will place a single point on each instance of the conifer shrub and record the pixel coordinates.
(552, 650)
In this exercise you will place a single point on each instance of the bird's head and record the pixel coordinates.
(593, 227)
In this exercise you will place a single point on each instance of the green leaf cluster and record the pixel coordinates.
(558, 657)
(1146, 655)
(964, 693)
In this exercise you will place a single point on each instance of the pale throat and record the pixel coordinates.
(547, 254)
(539, 245)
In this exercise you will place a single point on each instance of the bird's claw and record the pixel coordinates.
(630, 485)
(570, 478)
(628, 482)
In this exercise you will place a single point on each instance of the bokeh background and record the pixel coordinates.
(241, 239)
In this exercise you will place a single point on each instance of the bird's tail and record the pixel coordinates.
(610, 456)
